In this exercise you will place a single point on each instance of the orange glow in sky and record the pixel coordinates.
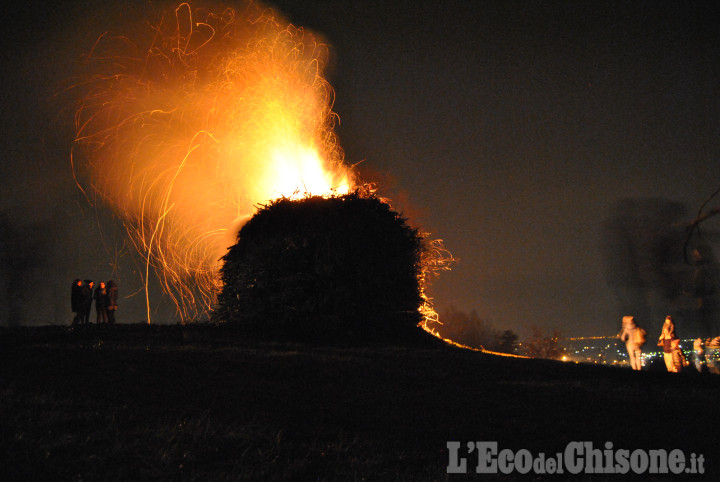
(187, 125)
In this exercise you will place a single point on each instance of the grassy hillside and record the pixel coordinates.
(199, 403)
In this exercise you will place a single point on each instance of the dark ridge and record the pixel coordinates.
(139, 402)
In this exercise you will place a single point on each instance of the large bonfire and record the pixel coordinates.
(326, 268)
(186, 125)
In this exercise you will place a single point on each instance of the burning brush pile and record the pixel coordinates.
(339, 268)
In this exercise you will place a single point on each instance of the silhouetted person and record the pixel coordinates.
(678, 356)
(706, 289)
(76, 301)
(101, 303)
(87, 294)
(699, 354)
(634, 338)
(112, 299)
(712, 345)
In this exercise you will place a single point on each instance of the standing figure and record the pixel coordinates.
(678, 356)
(667, 336)
(76, 301)
(87, 294)
(699, 354)
(112, 298)
(634, 338)
(101, 303)
(712, 346)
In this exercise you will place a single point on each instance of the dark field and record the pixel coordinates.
(136, 402)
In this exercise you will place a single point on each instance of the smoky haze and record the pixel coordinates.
(649, 272)
(51, 232)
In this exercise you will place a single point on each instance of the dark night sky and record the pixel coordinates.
(509, 129)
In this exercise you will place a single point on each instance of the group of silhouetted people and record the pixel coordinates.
(673, 355)
(82, 296)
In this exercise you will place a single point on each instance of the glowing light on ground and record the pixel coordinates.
(481, 349)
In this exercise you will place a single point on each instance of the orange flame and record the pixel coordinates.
(184, 129)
